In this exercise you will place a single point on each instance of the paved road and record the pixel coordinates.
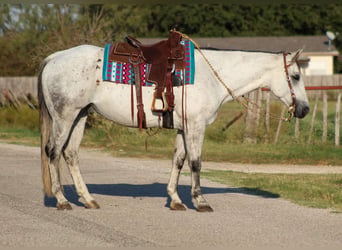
(134, 209)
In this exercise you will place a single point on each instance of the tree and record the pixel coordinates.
(28, 33)
(36, 31)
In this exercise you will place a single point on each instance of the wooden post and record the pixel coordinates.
(325, 117)
(279, 125)
(296, 131)
(251, 120)
(313, 120)
(231, 122)
(337, 120)
(258, 108)
(267, 117)
(259, 102)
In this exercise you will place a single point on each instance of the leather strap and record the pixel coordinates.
(132, 103)
(138, 89)
(169, 91)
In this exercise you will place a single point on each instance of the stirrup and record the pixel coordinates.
(164, 101)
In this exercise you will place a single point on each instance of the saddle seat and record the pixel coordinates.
(158, 52)
(162, 56)
(152, 53)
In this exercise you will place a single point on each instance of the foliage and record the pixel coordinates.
(39, 30)
(313, 190)
(220, 144)
(19, 125)
(28, 33)
(23, 117)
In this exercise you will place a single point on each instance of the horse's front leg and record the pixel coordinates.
(194, 142)
(197, 197)
(177, 164)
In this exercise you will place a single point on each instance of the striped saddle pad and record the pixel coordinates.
(119, 72)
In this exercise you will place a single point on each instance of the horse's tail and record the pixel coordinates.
(45, 129)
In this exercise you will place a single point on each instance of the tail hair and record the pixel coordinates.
(45, 122)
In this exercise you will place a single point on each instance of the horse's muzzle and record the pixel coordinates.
(302, 109)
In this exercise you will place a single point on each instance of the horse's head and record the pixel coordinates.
(291, 89)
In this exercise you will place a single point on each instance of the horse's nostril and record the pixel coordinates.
(302, 111)
(306, 110)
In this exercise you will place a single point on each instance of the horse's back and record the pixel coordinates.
(73, 63)
(83, 49)
(77, 56)
(70, 75)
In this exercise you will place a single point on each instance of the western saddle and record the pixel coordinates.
(163, 57)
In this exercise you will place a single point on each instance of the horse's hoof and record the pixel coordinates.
(205, 208)
(92, 204)
(64, 206)
(177, 206)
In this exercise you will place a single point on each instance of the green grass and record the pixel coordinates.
(312, 190)
(275, 154)
(20, 136)
(21, 126)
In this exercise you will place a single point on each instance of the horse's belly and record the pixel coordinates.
(115, 102)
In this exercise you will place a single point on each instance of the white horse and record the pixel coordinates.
(70, 82)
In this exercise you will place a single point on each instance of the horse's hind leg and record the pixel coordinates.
(53, 149)
(177, 164)
(71, 158)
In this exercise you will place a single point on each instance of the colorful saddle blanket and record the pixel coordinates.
(119, 72)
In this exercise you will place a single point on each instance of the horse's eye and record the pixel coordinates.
(296, 77)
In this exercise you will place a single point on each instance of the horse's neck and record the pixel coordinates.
(241, 72)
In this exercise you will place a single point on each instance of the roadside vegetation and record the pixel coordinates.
(311, 190)
(20, 124)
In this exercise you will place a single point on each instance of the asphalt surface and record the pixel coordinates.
(135, 208)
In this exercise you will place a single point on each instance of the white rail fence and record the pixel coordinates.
(319, 88)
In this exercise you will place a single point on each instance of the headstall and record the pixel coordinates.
(292, 107)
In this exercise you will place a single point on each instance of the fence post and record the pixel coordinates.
(279, 125)
(337, 120)
(325, 117)
(251, 120)
(267, 117)
(313, 120)
(296, 131)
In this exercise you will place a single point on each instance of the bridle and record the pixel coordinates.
(292, 107)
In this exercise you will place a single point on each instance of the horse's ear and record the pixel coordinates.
(296, 56)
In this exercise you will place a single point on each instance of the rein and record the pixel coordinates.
(212, 68)
(292, 107)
